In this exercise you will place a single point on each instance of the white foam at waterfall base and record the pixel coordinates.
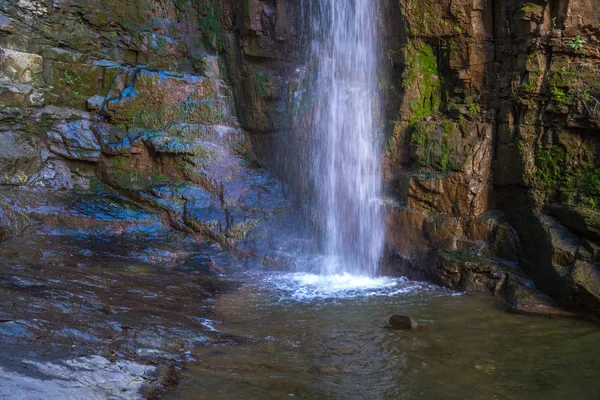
(305, 287)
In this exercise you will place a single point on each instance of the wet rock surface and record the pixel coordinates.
(129, 180)
(92, 377)
(492, 145)
(101, 316)
(402, 322)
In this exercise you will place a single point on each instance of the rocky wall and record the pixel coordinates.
(140, 99)
(492, 153)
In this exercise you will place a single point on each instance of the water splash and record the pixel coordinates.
(341, 170)
(307, 288)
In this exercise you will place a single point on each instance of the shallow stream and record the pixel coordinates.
(325, 338)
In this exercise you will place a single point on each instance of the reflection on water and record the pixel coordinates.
(325, 339)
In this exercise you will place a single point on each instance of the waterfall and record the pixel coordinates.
(338, 129)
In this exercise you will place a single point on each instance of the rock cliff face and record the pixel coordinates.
(132, 99)
(111, 111)
(493, 156)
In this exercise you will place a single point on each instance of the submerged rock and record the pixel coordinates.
(402, 322)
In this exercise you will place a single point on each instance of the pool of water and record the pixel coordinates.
(325, 338)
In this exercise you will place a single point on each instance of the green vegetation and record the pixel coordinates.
(425, 17)
(556, 172)
(210, 24)
(437, 146)
(422, 71)
(69, 78)
(549, 163)
(592, 203)
(577, 43)
(563, 77)
(130, 172)
(260, 83)
(559, 96)
(589, 98)
(457, 255)
(589, 183)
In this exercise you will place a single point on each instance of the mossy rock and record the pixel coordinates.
(439, 146)
(463, 270)
(135, 172)
(157, 100)
(72, 83)
(421, 81)
(580, 219)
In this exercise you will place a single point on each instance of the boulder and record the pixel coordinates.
(13, 94)
(54, 175)
(586, 283)
(21, 67)
(579, 219)
(402, 322)
(19, 159)
(75, 140)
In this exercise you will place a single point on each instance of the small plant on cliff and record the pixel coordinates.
(554, 22)
(559, 96)
(549, 164)
(458, 30)
(474, 106)
(68, 78)
(577, 43)
(589, 98)
(592, 203)
(589, 183)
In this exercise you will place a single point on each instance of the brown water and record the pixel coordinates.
(319, 343)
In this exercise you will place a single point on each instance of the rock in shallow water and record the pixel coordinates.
(402, 322)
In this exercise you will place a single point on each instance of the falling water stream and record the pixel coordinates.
(343, 162)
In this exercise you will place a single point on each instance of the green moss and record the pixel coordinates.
(73, 83)
(563, 77)
(240, 231)
(558, 95)
(549, 163)
(209, 19)
(437, 146)
(420, 135)
(125, 172)
(424, 18)
(448, 127)
(253, 47)
(96, 185)
(422, 71)
(261, 83)
(102, 18)
(589, 183)
(458, 255)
